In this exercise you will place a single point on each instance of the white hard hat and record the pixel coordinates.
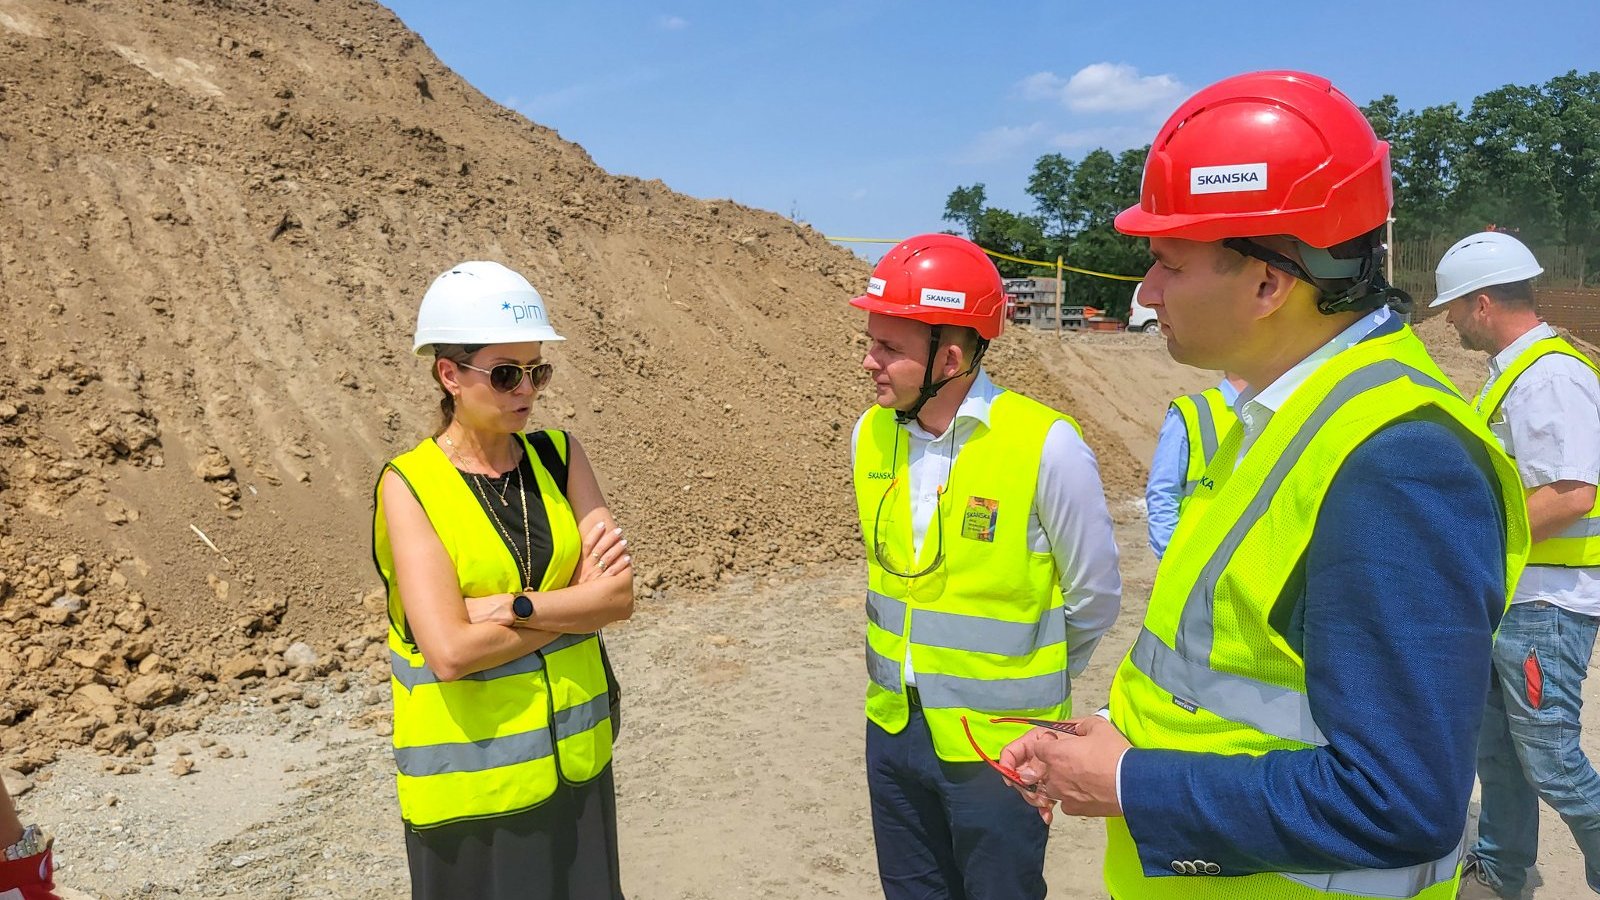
(1480, 260)
(481, 303)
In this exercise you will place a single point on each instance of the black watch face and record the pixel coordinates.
(522, 607)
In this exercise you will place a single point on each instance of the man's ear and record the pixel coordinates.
(1273, 288)
(954, 358)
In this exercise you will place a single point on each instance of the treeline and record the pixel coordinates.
(1074, 203)
(1522, 158)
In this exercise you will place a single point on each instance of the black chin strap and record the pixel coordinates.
(1367, 291)
(931, 387)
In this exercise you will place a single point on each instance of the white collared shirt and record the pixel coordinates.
(1069, 519)
(1550, 425)
(1255, 408)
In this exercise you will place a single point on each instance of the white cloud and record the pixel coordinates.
(858, 194)
(1042, 86)
(1104, 87)
(672, 23)
(1000, 143)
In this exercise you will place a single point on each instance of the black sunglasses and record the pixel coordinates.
(506, 376)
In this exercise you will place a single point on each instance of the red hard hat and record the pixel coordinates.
(1263, 154)
(940, 279)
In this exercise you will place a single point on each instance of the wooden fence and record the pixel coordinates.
(1414, 262)
(1575, 309)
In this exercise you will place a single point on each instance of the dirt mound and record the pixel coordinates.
(218, 220)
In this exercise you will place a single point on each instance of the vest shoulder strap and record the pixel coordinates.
(551, 446)
(1551, 346)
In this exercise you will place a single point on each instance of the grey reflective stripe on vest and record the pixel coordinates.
(1195, 628)
(887, 613)
(474, 756)
(1207, 424)
(978, 634)
(1036, 692)
(883, 671)
(1395, 883)
(411, 676)
(575, 720)
(1268, 708)
(1586, 527)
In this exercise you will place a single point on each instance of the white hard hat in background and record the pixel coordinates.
(1480, 260)
(481, 303)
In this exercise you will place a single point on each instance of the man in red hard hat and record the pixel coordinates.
(992, 574)
(1299, 714)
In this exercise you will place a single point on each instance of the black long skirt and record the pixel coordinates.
(563, 849)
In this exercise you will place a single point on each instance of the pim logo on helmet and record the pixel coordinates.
(944, 299)
(875, 286)
(1228, 179)
(520, 311)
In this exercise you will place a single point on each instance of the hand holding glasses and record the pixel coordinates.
(1010, 774)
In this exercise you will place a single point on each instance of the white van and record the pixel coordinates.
(1141, 317)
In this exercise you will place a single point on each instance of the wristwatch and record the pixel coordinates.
(32, 843)
(521, 610)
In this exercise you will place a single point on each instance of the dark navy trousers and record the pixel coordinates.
(948, 831)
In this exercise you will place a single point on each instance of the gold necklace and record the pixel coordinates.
(524, 562)
(455, 458)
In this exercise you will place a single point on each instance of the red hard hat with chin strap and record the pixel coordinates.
(1275, 153)
(940, 279)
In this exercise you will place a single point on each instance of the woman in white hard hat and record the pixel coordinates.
(502, 563)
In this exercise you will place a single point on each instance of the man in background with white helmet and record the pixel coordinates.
(992, 574)
(1542, 401)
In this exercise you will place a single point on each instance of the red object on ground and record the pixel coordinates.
(28, 878)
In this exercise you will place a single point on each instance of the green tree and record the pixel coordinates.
(1077, 203)
(965, 208)
(996, 229)
(1522, 157)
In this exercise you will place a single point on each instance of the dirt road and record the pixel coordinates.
(739, 769)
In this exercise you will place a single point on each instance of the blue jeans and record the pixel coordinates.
(1528, 748)
(948, 831)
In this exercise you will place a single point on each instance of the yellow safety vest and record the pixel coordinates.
(1206, 419)
(1579, 544)
(987, 633)
(498, 741)
(1208, 672)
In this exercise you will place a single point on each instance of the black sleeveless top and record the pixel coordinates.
(520, 535)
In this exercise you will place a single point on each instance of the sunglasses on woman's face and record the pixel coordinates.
(506, 376)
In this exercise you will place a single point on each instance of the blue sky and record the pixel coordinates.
(861, 117)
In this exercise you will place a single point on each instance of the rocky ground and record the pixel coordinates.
(739, 769)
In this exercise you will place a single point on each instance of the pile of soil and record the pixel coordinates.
(218, 220)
